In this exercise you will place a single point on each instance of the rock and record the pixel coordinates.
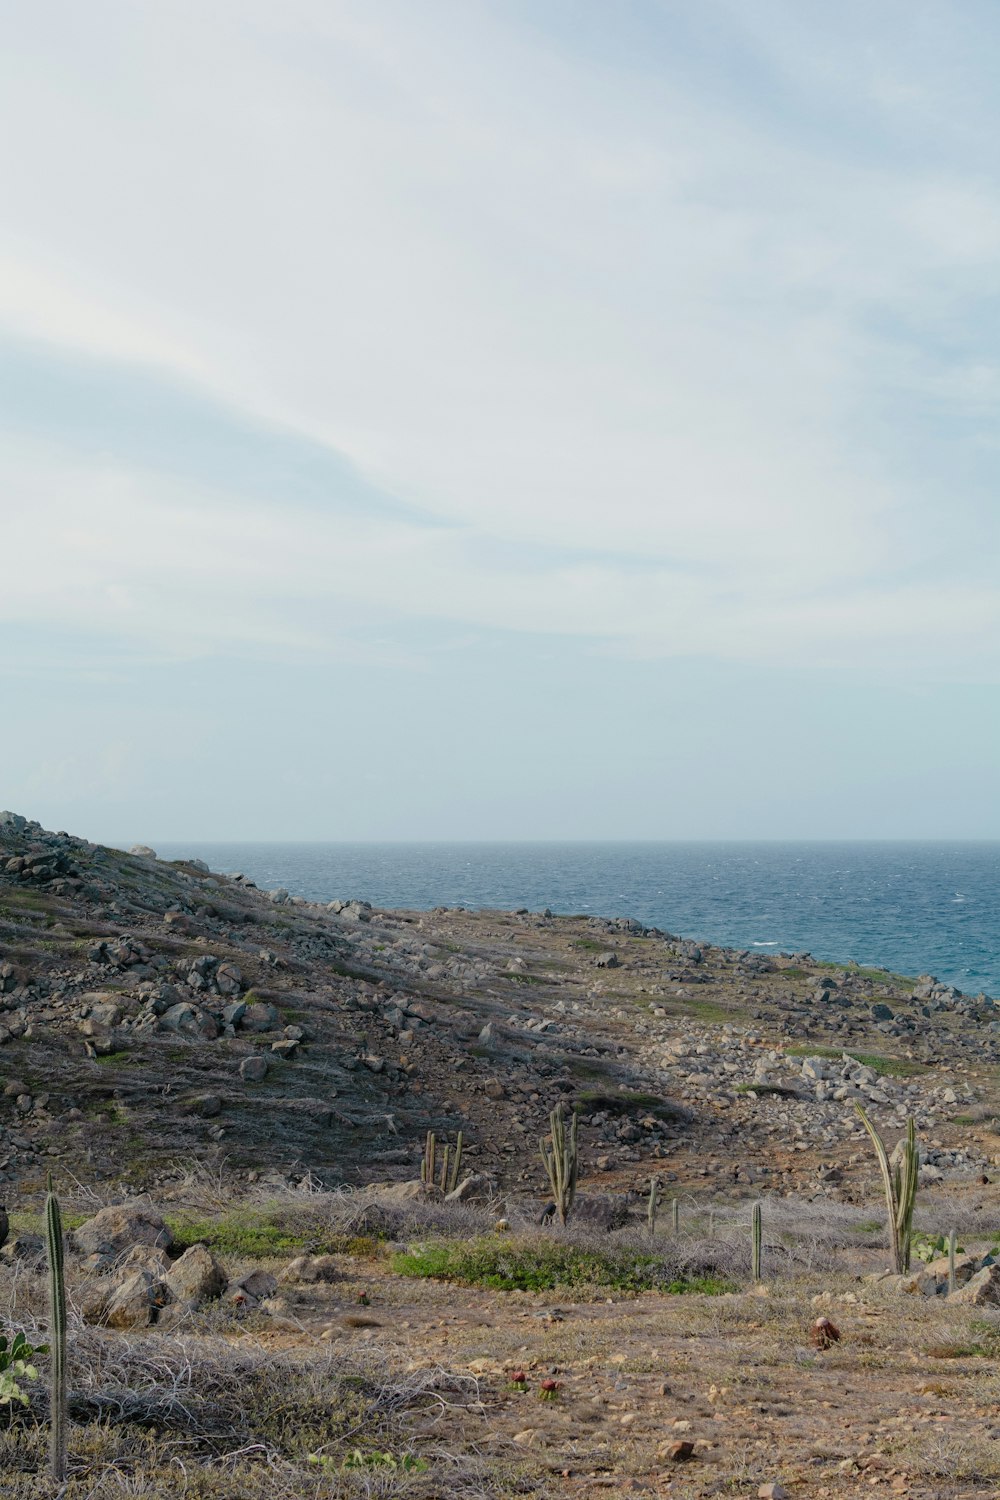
(260, 1015)
(966, 1267)
(312, 1268)
(606, 961)
(254, 1069)
(476, 1185)
(678, 1452)
(882, 1012)
(228, 979)
(4, 1226)
(13, 821)
(25, 1250)
(190, 1020)
(981, 1290)
(136, 1302)
(115, 1230)
(279, 895)
(205, 1105)
(773, 1491)
(197, 1277)
(252, 1288)
(405, 1192)
(143, 851)
(140, 1258)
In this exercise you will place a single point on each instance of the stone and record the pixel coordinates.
(136, 1302)
(115, 1230)
(190, 1020)
(228, 979)
(252, 1288)
(143, 851)
(140, 1258)
(966, 1267)
(880, 1012)
(312, 1268)
(476, 1185)
(206, 1105)
(254, 1069)
(260, 1015)
(197, 1277)
(606, 961)
(772, 1491)
(981, 1290)
(24, 1249)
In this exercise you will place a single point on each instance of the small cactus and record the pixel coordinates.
(653, 1205)
(675, 1216)
(756, 1242)
(561, 1160)
(952, 1247)
(900, 1187)
(57, 1336)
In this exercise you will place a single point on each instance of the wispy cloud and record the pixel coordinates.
(613, 342)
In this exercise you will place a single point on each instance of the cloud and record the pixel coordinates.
(623, 354)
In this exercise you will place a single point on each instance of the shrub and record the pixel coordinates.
(539, 1265)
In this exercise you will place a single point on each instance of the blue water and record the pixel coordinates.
(913, 908)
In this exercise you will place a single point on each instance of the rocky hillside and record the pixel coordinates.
(153, 1014)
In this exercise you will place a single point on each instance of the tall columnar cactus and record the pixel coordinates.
(756, 1242)
(57, 1335)
(560, 1157)
(456, 1164)
(675, 1216)
(653, 1205)
(900, 1186)
(427, 1165)
(952, 1270)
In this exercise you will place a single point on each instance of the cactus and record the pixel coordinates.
(711, 1223)
(561, 1161)
(57, 1335)
(456, 1164)
(756, 1242)
(952, 1275)
(675, 1216)
(654, 1203)
(900, 1186)
(428, 1163)
(444, 1176)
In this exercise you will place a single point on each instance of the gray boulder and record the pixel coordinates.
(115, 1230)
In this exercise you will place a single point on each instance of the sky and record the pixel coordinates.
(523, 420)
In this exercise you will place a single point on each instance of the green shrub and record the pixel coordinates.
(541, 1265)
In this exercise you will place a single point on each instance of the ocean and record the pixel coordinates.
(914, 908)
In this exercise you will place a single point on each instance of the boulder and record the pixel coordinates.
(476, 1185)
(312, 1268)
(981, 1290)
(197, 1277)
(149, 1258)
(25, 1250)
(190, 1020)
(136, 1302)
(606, 961)
(254, 1069)
(966, 1267)
(260, 1016)
(143, 851)
(250, 1290)
(406, 1192)
(115, 1230)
